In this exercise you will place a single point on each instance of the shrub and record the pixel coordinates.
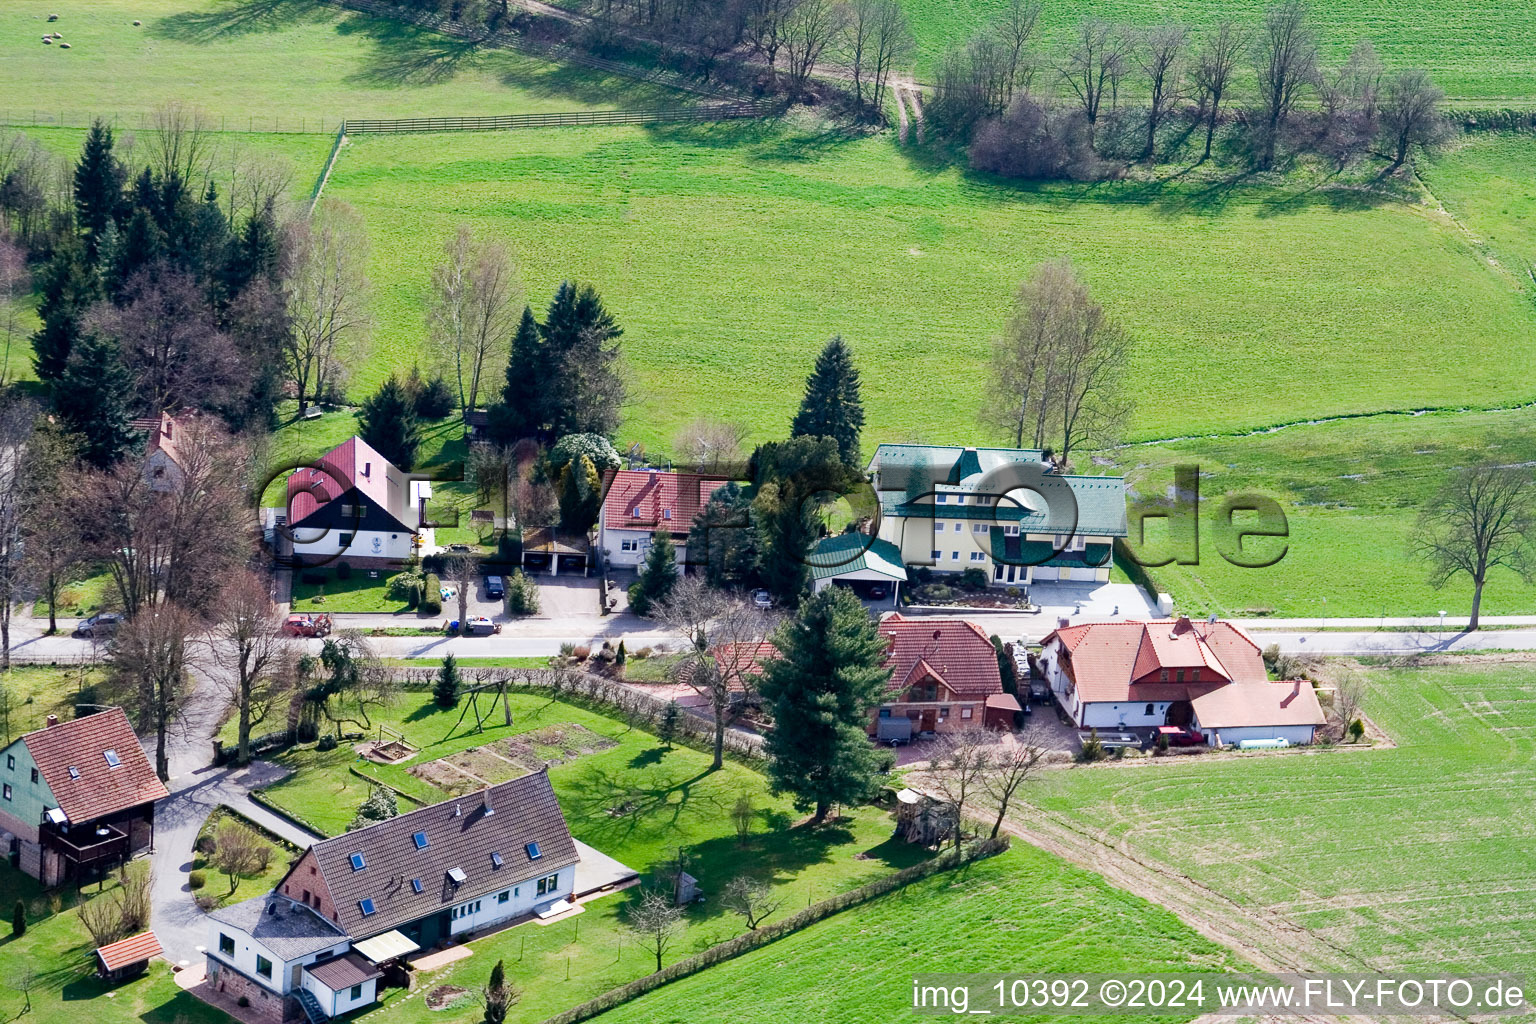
(343, 570)
(207, 845)
(19, 920)
(1162, 743)
(243, 1002)
(1356, 730)
(197, 879)
(522, 594)
(434, 400)
(327, 742)
(974, 579)
(581, 652)
(1036, 144)
(1092, 750)
(567, 650)
(431, 595)
(307, 732)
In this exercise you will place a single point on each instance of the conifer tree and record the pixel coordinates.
(94, 396)
(446, 691)
(829, 675)
(581, 495)
(98, 187)
(69, 287)
(387, 421)
(579, 382)
(520, 413)
(657, 577)
(832, 406)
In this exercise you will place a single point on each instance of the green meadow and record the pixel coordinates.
(1407, 859)
(1481, 54)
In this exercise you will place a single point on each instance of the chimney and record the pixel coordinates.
(487, 810)
(52, 721)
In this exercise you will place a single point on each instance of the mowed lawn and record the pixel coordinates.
(303, 62)
(1408, 859)
(1482, 54)
(634, 800)
(1351, 490)
(1023, 911)
(1486, 184)
(730, 253)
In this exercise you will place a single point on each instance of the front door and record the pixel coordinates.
(930, 720)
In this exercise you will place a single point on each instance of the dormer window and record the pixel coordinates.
(634, 513)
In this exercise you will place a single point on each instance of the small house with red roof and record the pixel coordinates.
(354, 504)
(77, 797)
(1203, 676)
(638, 502)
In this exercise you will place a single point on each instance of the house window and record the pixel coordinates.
(365, 905)
(356, 993)
(954, 556)
(943, 712)
(1194, 675)
(34, 774)
(74, 773)
(980, 528)
(504, 896)
(349, 510)
(534, 853)
(1149, 709)
(941, 498)
(496, 861)
(358, 862)
(1163, 676)
(6, 791)
(629, 545)
(938, 555)
(263, 967)
(549, 885)
(346, 540)
(965, 712)
(978, 556)
(10, 761)
(112, 759)
(1010, 531)
(1181, 676)
(306, 897)
(416, 885)
(420, 839)
(885, 712)
(226, 945)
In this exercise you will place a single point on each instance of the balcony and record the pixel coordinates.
(88, 844)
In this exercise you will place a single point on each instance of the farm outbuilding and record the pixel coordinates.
(127, 958)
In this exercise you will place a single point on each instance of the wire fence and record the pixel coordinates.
(144, 120)
(709, 112)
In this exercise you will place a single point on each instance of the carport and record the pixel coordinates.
(546, 550)
(858, 561)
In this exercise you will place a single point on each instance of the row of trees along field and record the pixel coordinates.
(1253, 94)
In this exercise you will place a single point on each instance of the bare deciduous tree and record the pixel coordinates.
(765, 26)
(17, 497)
(1481, 518)
(149, 658)
(180, 147)
(462, 570)
(1015, 28)
(959, 767)
(1094, 66)
(1285, 61)
(1410, 115)
(1161, 58)
(250, 648)
(326, 283)
(136, 882)
(709, 445)
(52, 551)
(723, 634)
(808, 30)
(753, 899)
(1014, 762)
(655, 921)
(358, 683)
(474, 312)
(238, 851)
(1057, 369)
(102, 917)
(1212, 73)
(878, 38)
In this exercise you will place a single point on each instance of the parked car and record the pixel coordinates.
(307, 625)
(103, 624)
(877, 592)
(495, 587)
(762, 599)
(1181, 737)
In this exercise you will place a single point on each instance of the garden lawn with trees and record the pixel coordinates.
(1396, 860)
(33, 692)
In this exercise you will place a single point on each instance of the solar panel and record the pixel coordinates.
(421, 840)
(358, 863)
(365, 905)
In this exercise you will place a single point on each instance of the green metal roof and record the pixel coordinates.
(1038, 552)
(847, 552)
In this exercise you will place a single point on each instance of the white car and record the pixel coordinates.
(762, 599)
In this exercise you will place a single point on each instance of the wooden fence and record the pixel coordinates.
(708, 112)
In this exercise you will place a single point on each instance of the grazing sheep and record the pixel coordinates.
(136, 24)
(53, 17)
(63, 46)
(48, 39)
(58, 35)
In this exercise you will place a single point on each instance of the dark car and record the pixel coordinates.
(495, 587)
(102, 625)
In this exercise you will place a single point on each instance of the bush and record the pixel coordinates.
(343, 570)
(431, 595)
(974, 579)
(522, 594)
(243, 1002)
(207, 845)
(434, 400)
(1093, 750)
(307, 732)
(327, 742)
(581, 652)
(1034, 144)
(197, 879)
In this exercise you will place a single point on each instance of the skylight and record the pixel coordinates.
(358, 862)
(74, 772)
(112, 759)
(495, 859)
(416, 885)
(457, 876)
(421, 840)
(534, 853)
(365, 905)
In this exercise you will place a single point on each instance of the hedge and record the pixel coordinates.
(751, 940)
(431, 595)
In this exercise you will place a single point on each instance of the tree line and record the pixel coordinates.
(1251, 94)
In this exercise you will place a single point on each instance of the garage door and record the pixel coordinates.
(1084, 575)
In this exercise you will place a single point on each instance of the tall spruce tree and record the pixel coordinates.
(724, 537)
(252, 254)
(139, 246)
(69, 287)
(520, 413)
(832, 406)
(94, 398)
(387, 421)
(445, 692)
(829, 675)
(657, 577)
(98, 187)
(581, 388)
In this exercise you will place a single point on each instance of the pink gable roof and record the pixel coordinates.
(353, 463)
(640, 499)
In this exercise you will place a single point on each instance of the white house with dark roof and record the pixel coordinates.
(354, 504)
(1000, 510)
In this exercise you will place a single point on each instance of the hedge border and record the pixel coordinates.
(732, 948)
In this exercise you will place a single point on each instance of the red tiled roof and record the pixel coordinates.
(82, 745)
(737, 661)
(353, 463)
(653, 495)
(129, 951)
(1107, 657)
(954, 651)
(1292, 702)
(165, 434)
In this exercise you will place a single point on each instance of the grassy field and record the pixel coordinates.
(247, 62)
(1479, 53)
(38, 691)
(1351, 490)
(55, 957)
(633, 800)
(1023, 911)
(1404, 859)
(730, 252)
(216, 883)
(1485, 184)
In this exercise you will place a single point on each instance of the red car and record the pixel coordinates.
(1180, 737)
(307, 625)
